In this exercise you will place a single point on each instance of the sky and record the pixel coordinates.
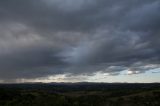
(79, 40)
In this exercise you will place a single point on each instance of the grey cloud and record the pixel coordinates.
(145, 17)
(48, 37)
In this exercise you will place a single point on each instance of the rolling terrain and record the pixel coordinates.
(80, 94)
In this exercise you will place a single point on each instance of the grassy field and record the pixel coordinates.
(80, 94)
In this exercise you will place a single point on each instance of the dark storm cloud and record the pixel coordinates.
(48, 37)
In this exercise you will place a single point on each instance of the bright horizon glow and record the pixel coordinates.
(99, 78)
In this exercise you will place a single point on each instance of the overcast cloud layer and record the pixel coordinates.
(50, 37)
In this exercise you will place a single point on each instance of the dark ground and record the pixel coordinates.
(80, 94)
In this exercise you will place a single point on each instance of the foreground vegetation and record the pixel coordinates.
(80, 94)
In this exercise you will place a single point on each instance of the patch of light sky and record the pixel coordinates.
(123, 77)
